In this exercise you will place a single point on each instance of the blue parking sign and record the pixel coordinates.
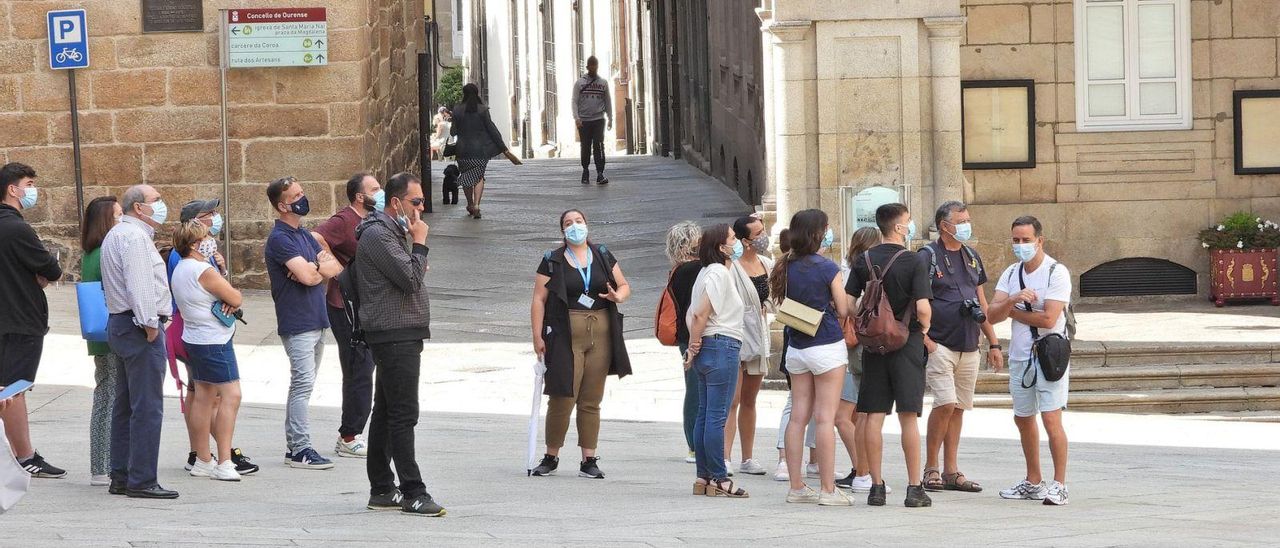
(68, 39)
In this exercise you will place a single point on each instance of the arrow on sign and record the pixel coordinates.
(319, 43)
(320, 58)
(235, 30)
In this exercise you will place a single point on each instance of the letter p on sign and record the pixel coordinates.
(67, 30)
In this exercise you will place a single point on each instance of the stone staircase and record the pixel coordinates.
(1161, 378)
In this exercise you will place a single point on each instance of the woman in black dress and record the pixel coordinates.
(478, 141)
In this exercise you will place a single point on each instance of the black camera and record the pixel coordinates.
(972, 308)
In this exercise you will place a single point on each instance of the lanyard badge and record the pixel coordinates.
(585, 299)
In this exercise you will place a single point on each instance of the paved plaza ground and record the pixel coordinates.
(1135, 480)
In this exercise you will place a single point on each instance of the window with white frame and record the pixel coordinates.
(1133, 65)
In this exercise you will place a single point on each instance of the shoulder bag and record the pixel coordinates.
(799, 316)
(1053, 351)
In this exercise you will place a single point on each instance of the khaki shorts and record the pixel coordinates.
(952, 377)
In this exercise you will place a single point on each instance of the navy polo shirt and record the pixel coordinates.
(299, 308)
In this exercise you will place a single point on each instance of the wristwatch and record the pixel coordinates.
(996, 347)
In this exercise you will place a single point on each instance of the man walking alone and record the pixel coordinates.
(395, 315)
(591, 108)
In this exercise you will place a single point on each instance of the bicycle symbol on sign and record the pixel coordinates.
(68, 54)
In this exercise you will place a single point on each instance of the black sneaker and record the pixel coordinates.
(244, 466)
(877, 496)
(601, 179)
(548, 466)
(117, 487)
(386, 501)
(38, 468)
(916, 497)
(422, 505)
(586, 177)
(847, 481)
(588, 469)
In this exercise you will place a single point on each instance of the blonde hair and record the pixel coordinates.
(682, 242)
(189, 235)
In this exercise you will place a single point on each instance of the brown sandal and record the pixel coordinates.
(715, 490)
(700, 488)
(933, 480)
(957, 482)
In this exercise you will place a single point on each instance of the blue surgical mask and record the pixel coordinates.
(737, 250)
(964, 231)
(159, 211)
(403, 221)
(301, 207)
(380, 200)
(576, 233)
(828, 239)
(29, 197)
(216, 228)
(1024, 252)
(911, 231)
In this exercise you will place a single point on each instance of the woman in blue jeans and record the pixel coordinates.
(715, 337)
(682, 251)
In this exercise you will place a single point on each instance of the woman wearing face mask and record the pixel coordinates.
(682, 251)
(577, 333)
(750, 271)
(715, 339)
(99, 216)
(198, 288)
(816, 362)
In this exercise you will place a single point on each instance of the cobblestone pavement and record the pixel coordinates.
(1135, 480)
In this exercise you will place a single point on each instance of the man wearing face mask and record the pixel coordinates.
(338, 236)
(1034, 292)
(959, 305)
(26, 267)
(390, 268)
(298, 268)
(896, 379)
(137, 289)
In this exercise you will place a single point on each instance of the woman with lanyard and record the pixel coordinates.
(577, 333)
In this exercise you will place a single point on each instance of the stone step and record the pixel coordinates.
(1112, 354)
(1183, 400)
(1153, 377)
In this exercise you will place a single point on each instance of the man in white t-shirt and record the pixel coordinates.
(1035, 297)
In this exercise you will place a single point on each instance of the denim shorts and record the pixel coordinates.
(1042, 397)
(213, 363)
(851, 385)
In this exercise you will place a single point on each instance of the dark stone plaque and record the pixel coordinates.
(172, 15)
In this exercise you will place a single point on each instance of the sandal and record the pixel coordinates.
(957, 482)
(700, 488)
(933, 480)
(715, 490)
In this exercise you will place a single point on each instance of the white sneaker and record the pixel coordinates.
(691, 459)
(356, 448)
(1057, 495)
(728, 468)
(202, 468)
(811, 470)
(225, 471)
(780, 473)
(802, 496)
(862, 484)
(1026, 490)
(750, 466)
(99, 480)
(834, 498)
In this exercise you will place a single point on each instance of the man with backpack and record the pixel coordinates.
(892, 322)
(959, 314)
(1035, 293)
(591, 108)
(393, 312)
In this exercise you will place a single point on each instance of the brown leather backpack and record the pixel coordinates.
(879, 331)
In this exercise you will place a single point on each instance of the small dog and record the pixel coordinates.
(450, 185)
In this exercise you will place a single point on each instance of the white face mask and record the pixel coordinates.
(208, 247)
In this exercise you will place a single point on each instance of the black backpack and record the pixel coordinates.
(348, 286)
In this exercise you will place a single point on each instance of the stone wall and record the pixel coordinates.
(149, 112)
(1096, 209)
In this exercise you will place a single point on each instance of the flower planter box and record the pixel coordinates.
(1243, 274)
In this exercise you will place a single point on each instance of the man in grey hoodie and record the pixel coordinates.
(591, 108)
(395, 315)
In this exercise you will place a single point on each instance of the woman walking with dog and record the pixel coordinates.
(478, 142)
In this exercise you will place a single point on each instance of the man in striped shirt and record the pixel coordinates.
(137, 290)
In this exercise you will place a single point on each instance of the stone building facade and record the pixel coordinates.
(149, 113)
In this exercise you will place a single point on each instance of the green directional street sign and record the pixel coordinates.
(276, 37)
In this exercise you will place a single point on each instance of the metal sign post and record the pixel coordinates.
(69, 50)
(226, 166)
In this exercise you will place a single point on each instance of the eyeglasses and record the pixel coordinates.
(417, 202)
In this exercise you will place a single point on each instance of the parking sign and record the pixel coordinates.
(68, 39)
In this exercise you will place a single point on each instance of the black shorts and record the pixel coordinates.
(19, 357)
(897, 378)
